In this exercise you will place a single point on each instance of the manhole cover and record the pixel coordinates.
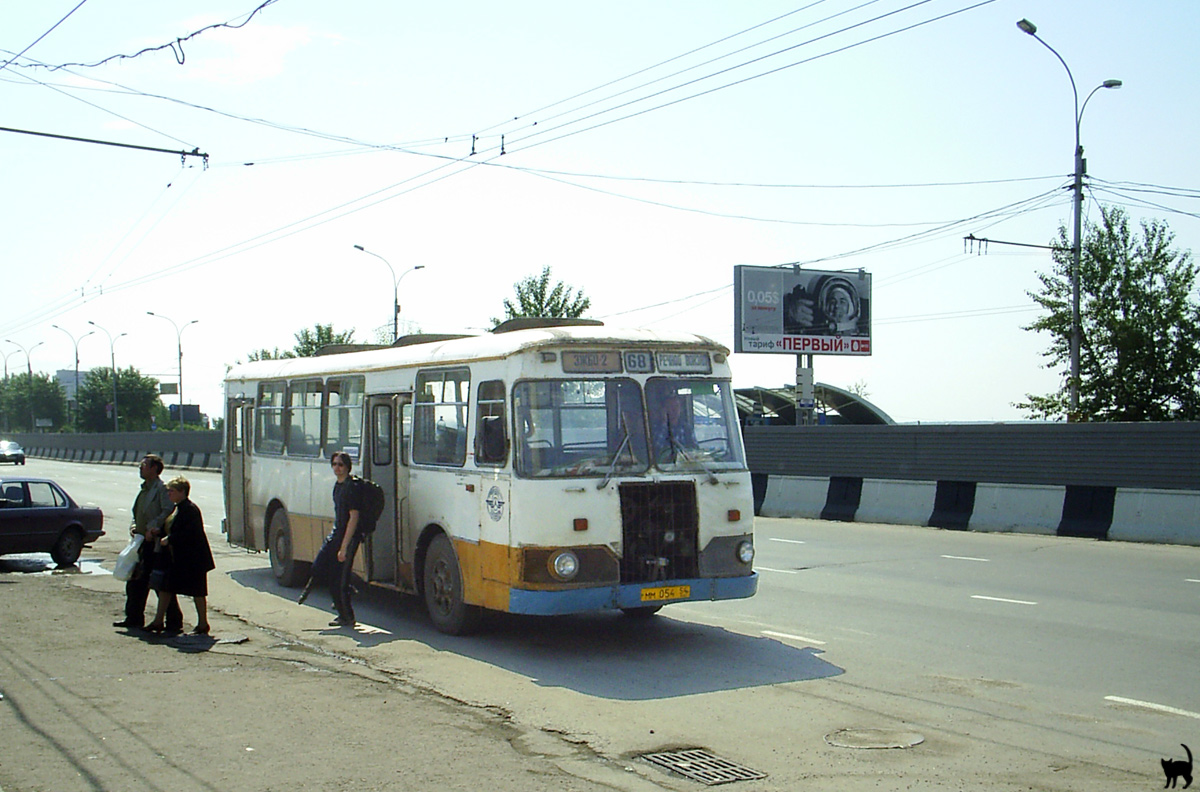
(873, 738)
(703, 766)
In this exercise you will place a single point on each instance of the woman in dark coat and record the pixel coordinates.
(191, 557)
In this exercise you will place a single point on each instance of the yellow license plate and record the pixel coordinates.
(664, 593)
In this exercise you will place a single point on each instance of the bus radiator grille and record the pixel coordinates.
(659, 531)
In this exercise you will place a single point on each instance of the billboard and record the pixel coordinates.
(797, 311)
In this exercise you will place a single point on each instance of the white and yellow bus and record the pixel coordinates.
(535, 469)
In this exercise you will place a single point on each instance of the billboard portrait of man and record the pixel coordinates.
(825, 304)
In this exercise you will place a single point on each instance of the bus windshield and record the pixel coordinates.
(580, 428)
(693, 423)
(592, 428)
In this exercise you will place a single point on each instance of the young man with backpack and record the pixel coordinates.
(355, 510)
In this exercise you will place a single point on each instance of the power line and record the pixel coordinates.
(745, 79)
(4, 65)
(428, 177)
(772, 185)
(698, 65)
(175, 46)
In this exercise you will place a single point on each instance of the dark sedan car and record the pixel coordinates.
(11, 452)
(38, 516)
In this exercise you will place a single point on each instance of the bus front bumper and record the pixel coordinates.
(631, 595)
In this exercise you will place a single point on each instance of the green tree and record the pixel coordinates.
(308, 343)
(536, 297)
(1139, 322)
(24, 400)
(136, 398)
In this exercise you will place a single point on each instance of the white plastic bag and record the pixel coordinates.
(127, 559)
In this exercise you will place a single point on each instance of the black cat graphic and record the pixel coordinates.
(1178, 769)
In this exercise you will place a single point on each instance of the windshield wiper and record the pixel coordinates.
(612, 462)
(694, 457)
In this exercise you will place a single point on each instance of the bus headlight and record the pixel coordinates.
(745, 552)
(564, 565)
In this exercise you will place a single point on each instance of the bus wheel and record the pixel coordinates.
(444, 591)
(283, 564)
(641, 613)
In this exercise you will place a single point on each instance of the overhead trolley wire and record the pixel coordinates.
(741, 81)
(655, 66)
(392, 191)
(4, 65)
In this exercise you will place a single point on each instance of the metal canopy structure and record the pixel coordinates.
(778, 406)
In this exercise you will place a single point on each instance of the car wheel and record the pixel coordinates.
(444, 592)
(68, 547)
(283, 562)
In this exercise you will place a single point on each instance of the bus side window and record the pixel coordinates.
(304, 418)
(440, 417)
(268, 427)
(343, 415)
(491, 445)
(382, 426)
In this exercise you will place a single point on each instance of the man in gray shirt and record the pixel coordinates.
(150, 510)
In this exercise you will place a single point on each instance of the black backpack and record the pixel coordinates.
(371, 504)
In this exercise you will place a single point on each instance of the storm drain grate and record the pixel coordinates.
(700, 765)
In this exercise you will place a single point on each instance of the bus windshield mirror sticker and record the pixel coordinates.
(595, 361)
(684, 363)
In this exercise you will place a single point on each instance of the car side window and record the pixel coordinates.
(42, 495)
(14, 494)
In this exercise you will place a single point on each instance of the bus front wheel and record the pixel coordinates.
(283, 562)
(444, 590)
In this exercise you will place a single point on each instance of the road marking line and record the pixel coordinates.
(1192, 580)
(788, 637)
(1152, 706)
(1002, 599)
(965, 558)
(768, 569)
(788, 541)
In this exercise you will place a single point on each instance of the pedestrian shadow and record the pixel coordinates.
(186, 643)
(604, 654)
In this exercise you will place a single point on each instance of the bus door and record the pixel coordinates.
(386, 466)
(491, 450)
(236, 472)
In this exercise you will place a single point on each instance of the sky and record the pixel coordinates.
(641, 150)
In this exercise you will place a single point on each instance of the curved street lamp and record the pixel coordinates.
(28, 364)
(75, 341)
(395, 288)
(179, 342)
(29, 370)
(6, 357)
(112, 343)
(1030, 29)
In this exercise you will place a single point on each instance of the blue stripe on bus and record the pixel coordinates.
(549, 603)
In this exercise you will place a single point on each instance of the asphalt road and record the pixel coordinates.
(1011, 661)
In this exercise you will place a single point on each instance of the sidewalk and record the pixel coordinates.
(90, 707)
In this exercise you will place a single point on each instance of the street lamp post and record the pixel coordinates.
(112, 353)
(75, 341)
(179, 342)
(395, 288)
(1029, 28)
(28, 363)
(6, 357)
(29, 370)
